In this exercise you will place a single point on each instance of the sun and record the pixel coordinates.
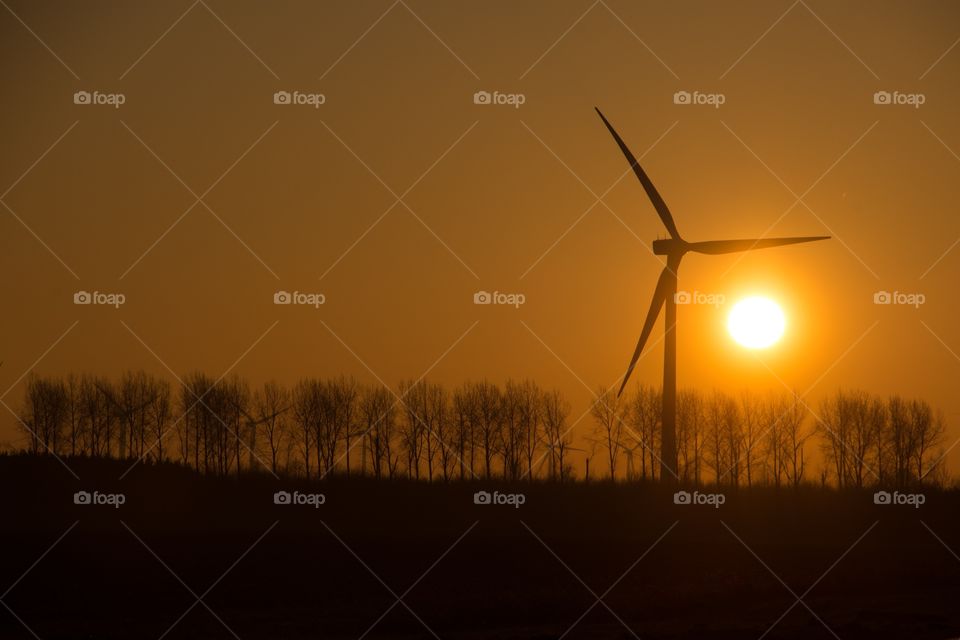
(756, 322)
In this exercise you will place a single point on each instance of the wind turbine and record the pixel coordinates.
(674, 248)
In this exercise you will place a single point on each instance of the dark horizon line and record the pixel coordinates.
(293, 480)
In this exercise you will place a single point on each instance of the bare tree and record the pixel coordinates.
(929, 430)
(344, 394)
(439, 430)
(75, 423)
(750, 431)
(159, 415)
(99, 416)
(900, 439)
(531, 418)
(271, 403)
(721, 411)
(835, 429)
(732, 430)
(795, 437)
(464, 418)
(609, 415)
(862, 433)
(558, 440)
(690, 430)
(488, 418)
(510, 440)
(379, 420)
(412, 433)
(305, 405)
(45, 413)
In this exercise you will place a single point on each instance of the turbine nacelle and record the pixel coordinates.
(670, 246)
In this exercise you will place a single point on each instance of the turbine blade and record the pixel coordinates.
(715, 247)
(651, 190)
(659, 297)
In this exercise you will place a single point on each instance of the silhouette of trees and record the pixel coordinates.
(97, 415)
(132, 399)
(868, 440)
(751, 414)
(325, 413)
(158, 418)
(556, 433)
(45, 413)
(487, 415)
(465, 419)
(438, 430)
(512, 431)
(378, 422)
(531, 423)
(85, 415)
(412, 431)
(75, 414)
(609, 415)
(337, 403)
(789, 435)
(305, 407)
(690, 430)
(271, 407)
(721, 413)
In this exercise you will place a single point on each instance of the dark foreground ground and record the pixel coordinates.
(192, 557)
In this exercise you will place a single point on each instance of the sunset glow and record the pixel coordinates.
(756, 322)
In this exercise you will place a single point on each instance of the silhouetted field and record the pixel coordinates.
(333, 571)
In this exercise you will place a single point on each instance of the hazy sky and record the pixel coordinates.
(492, 196)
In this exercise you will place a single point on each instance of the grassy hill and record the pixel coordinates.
(492, 570)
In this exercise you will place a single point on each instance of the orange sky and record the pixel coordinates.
(497, 195)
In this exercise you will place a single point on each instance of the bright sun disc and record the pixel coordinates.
(756, 322)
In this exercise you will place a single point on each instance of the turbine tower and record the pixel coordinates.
(674, 249)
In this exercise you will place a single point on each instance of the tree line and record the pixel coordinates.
(515, 431)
